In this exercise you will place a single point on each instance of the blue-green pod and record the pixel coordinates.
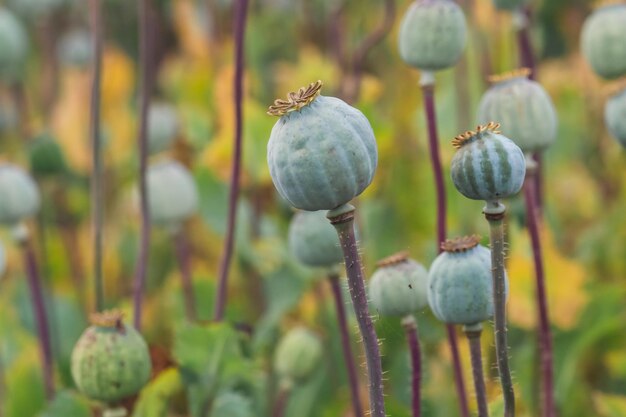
(432, 34)
(523, 109)
(232, 404)
(615, 115)
(172, 193)
(46, 157)
(297, 355)
(163, 127)
(602, 41)
(19, 195)
(322, 152)
(313, 240)
(487, 165)
(509, 4)
(13, 46)
(399, 286)
(75, 48)
(460, 286)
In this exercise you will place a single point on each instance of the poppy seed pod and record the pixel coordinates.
(297, 355)
(602, 41)
(321, 152)
(509, 4)
(163, 127)
(75, 48)
(615, 115)
(19, 195)
(432, 34)
(487, 165)
(110, 361)
(46, 157)
(523, 108)
(460, 286)
(399, 286)
(13, 46)
(172, 193)
(313, 240)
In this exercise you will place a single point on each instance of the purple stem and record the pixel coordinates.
(428, 91)
(410, 327)
(145, 89)
(241, 9)
(345, 344)
(182, 256)
(41, 320)
(282, 398)
(545, 337)
(473, 337)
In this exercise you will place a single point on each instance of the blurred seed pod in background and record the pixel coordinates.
(602, 41)
(164, 126)
(615, 116)
(297, 355)
(313, 240)
(19, 195)
(13, 46)
(46, 157)
(75, 48)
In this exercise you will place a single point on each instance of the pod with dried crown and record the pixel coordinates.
(164, 126)
(13, 46)
(313, 240)
(602, 40)
(297, 355)
(19, 195)
(615, 115)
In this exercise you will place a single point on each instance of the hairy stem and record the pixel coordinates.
(343, 220)
(241, 9)
(428, 91)
(410, 328)
(494, 213)
(348, 356)
(545, 336)
(182, 256)
(473, 333)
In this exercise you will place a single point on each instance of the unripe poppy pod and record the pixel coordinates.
(602, 41)
(163, 127)
(615, 115)
(76, 48)
(19, 195)
(13, 46)
(313, 240)
(297, 355)
(172, 193)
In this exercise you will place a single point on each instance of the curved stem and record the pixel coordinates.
(428, 91)
(473, 337)
(494, 213)
(545, 337)
(241, 9)
(280, 404)
(342, 322)
(410, 328)
(343, 220)
(182, 256)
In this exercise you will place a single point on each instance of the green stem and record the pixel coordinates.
(494, 213)
(115, 412)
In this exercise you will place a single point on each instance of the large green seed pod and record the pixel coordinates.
(19, 195)
(75, 48)
(172, 193)
(523, 108)
(487, 166)
(110, 361)
(163, 127)
(322, 152)
(297, 355)
(313, 240)
(602, 41)
(432, 34)
(13, 46)
(460, 288)
(509, 4)
(615, 115)
(46, 157)
(399, 286)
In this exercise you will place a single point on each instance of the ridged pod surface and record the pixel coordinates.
(163, 127)
(172, 193)
(399, 286)
(509, 4)
(321, 152)
(110, 361)
(523, 109)
(19, 195)
(615, 116)
(432, 34)
(13, 46)
(460, 287)
(487, 165)
(602, 41)
(297, 355)
(313, 240)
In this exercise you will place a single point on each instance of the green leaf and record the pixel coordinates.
(232, 404)
(68, 403)
(156, 397)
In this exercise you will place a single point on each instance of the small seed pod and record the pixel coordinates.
(615, 115)
(46, 157)
(432, 34)
(487, 165)
(297, 355)
(163, 127)
(322, 152)
(110, 361)
(172, 193)
(460, 287)
(399, 286)
(232, 404)
(19, 195)
(509, 4)
(75, 48)
(13, 46)
(35, 9)
(523, 108)
(602, 41)
(313, 240)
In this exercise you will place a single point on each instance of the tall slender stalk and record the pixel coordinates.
(145, 89)
(473, 333)
(427, 83)
(494, 213)
(280, 404)
(410, 328)
(343, 219)
(342, 321)
(545, 336)
(97, 203)
(241, 9)
(182, 256)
